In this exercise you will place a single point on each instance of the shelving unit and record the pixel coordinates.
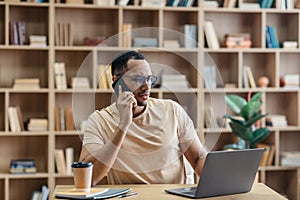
(88, 20)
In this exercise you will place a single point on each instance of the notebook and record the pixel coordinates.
(224, 173)
(104, 194)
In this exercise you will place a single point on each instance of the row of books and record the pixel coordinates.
(248, 78)
(290, 158)
(37, 124)
(63, 34)
(64, 120)
(60, 75)
(276, 120)
(104, 77)
(231, 4)
(63, 160)
(37, 40)
(31, 1)
(183, 3)
(15, 118)
(146, 3)
(18, 124)
(268, 155)
(127, 35)
(22, 166)
(41, 194)
(26, 83)
(271, 37)
(266, 3)
(290, 81)
(17, 32)
(174, 81)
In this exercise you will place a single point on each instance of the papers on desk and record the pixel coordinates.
(95, 193)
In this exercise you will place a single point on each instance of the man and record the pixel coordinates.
(139, 139)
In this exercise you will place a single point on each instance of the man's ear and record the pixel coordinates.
(114, 78)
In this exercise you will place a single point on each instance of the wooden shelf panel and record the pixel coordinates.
(31, 147)
(239, 23)
(290, 110)
(29, 64)
(91, 20)
(285, 24)
(25, 185)
(284, 182)
(92, 26)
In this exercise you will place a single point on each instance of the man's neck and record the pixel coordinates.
(137, 111)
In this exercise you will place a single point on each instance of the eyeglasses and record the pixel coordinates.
(141, 80)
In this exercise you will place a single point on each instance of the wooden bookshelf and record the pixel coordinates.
(91, 20)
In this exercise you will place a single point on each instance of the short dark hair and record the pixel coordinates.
(119, 63)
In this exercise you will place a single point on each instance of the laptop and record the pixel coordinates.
(224, 173)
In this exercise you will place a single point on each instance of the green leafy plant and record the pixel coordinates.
(244, 127)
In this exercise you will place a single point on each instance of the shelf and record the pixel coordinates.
(165, 23)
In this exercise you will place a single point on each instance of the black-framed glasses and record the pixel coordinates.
(141, 80)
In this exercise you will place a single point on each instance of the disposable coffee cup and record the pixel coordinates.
(82, 172)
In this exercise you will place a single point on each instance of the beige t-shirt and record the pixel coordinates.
(151, 151)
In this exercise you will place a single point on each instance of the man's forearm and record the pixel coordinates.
(103, 156)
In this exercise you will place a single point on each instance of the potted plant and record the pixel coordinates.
(244, 127)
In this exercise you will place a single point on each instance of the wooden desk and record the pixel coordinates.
(156, 191)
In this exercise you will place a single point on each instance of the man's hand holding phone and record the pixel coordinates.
(126, 103)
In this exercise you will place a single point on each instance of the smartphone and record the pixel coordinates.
(121, 82)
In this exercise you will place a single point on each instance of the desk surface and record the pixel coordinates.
(156, 191)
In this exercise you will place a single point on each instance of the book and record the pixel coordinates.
(111, 192)
(62, 119)
(127, 35)
(60, 161)
(210, 120)
(63, 34)
(74, 194)
(21, 166)
(291, 80)
(105, 2)
(250, 76)
(174, 81)
(20, 118)
(37, 124)
(190, 36)
(57, 117)
(153, 3)
(21, 32)
(210, 76)
(108, 76)
(27, 83)
(145, 42)
(70, 126)
(211, 35)
(249, 6)
(264, 159)
(271, 155)
(14, 122)
(80, 83)
(123, 2)
(290, 44)
(276, 120)
(44, 193)
(69, 159)
(290, 158)
(171, 44)
(102, 77)
(60, 75)
(210, 4)
(38, 40)
(273, 36)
